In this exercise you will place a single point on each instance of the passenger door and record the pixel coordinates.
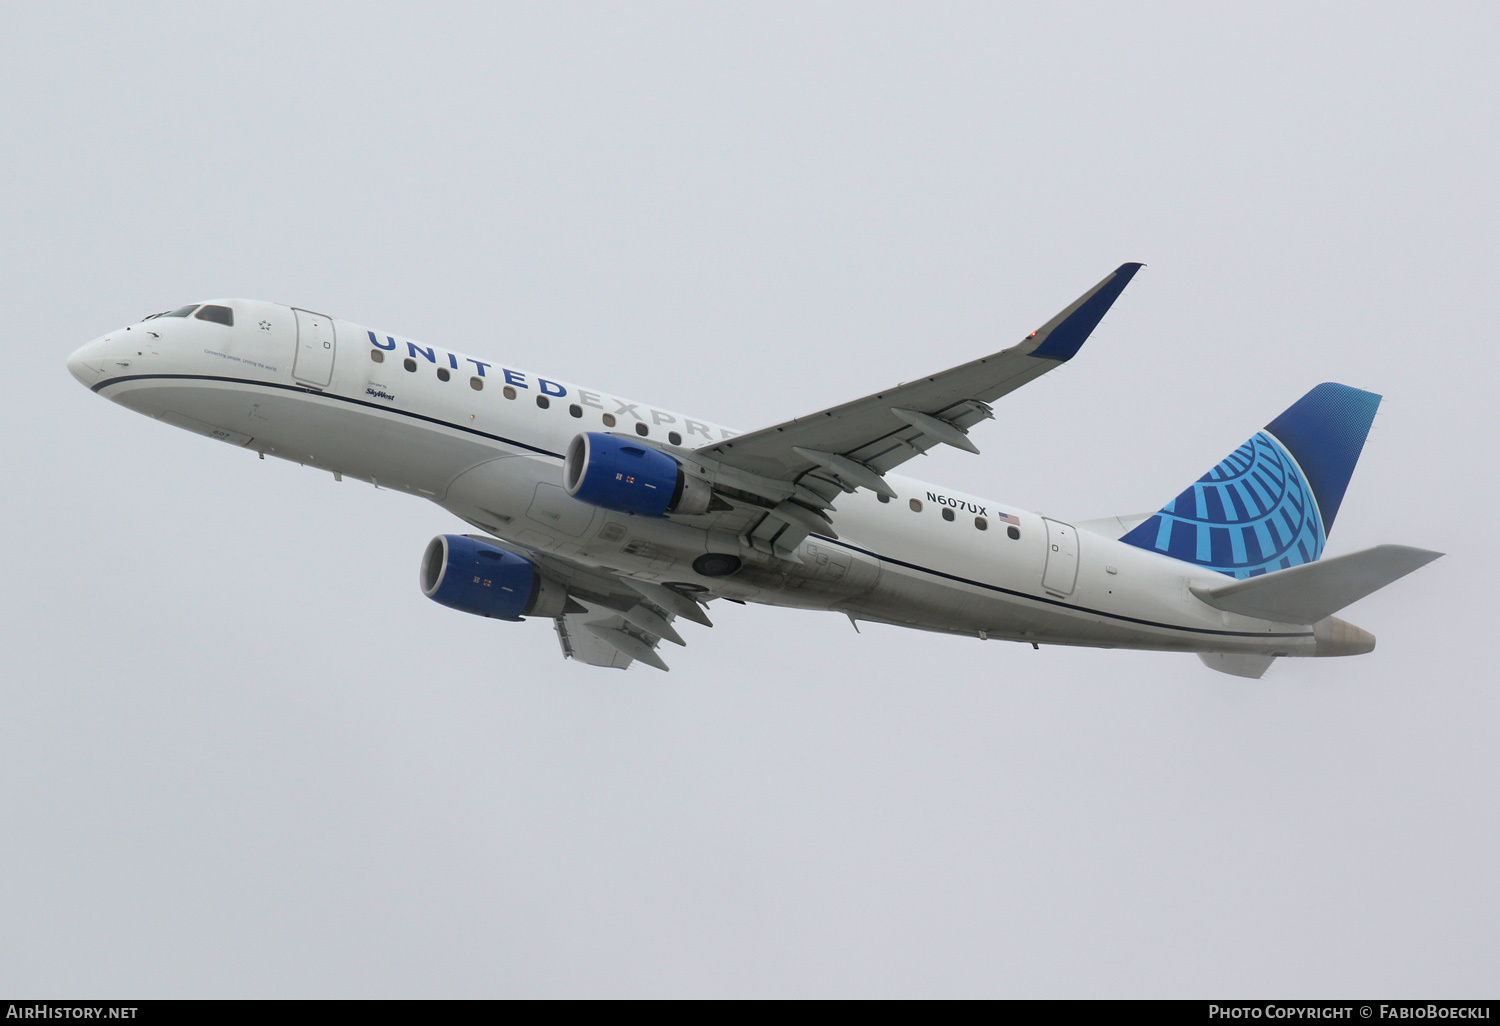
(1061, 572)
(315, 348)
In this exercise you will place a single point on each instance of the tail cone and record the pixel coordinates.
(1337, 637)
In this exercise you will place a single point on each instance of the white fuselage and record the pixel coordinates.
(371, 406)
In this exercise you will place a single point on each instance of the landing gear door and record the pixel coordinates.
(315, 342)
(1062, 558)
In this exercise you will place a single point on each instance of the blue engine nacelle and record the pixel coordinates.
(622, 475)
(478, 577)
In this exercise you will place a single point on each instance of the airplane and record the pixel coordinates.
(615, 519)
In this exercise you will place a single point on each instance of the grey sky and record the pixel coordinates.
(244, 756)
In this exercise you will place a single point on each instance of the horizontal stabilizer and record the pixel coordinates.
(1311, 591)
(626, 644)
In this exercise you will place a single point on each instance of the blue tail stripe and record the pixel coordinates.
(1219, 549)
(1184, 544)
(1258, 497)
(1266, 548)
(1163, 531)
(1291, 525)
(1205, 552)
(1241, 511)
(1213, 505)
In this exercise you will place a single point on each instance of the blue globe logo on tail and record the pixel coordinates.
(1270, 504)
(1252, 513)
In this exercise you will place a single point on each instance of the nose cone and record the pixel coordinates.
(87, 364)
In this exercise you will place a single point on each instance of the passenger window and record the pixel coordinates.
(477, 384)
(1014, 532)
(674, 438)
(186, 311)
(410, 364)
(543, 401)
(916, 505)
(609, 420)
(377, 356)
(218, 314)
(981, 523)
(575, 410)
(947, 514)
(641, 428)
(510, 393)
(443, 374)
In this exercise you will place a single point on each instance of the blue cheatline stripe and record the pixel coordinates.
(832, 541)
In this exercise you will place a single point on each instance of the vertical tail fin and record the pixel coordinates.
(1270, 504)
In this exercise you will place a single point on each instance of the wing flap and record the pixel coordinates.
(601, 636)
(613, 620)
(582, 644)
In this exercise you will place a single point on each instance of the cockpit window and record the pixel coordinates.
(186, 311)
(217, 314)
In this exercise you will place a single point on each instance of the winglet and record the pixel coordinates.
(1065, 334)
